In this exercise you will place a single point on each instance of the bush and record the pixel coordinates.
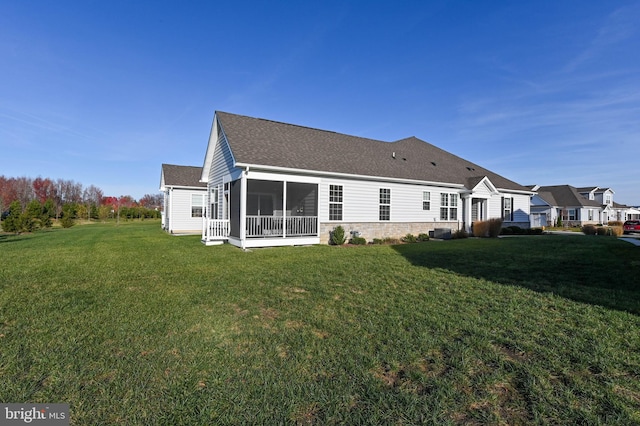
(495, 226)
(589, 230)
(615, 223)
(480, 228)
(409, 238)
(337, 236)
(423, 237)
(377, 241)
(459, 234)
(358, 241)
(506, 231)
(617, 231)
(535, 231)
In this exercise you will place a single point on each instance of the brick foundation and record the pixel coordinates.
(371, 230)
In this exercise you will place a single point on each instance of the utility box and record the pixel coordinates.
(442, 233)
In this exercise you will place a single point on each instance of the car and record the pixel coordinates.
(631, 226)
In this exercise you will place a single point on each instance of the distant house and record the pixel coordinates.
(575, 206)
(271, 183)
(184, 198)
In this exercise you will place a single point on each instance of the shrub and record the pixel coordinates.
(603, 230)
(337, 236)
(615, 223)
(409, 238)
(377, 241)
(516, 230)
(535, 231)
(495, 225)
(459, 234)
(506, 231)
(480, 228)
(423, 237)
(616, 231)
(358, 241)
(589, 230)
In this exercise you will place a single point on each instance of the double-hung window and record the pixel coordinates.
(448, 206)
(426, 200)
(507, 209)
(335, 202)
(385, 204)
(197, 205)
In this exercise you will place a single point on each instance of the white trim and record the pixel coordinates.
(351, 176)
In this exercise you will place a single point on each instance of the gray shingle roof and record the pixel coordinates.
(565, 196)
(270, 143)
(185, 176)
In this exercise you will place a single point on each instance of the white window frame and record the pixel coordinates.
(448, 206)
(195, 205)
(384, 211)
(336, 203)
(426, 200)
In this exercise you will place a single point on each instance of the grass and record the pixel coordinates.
(133, 326)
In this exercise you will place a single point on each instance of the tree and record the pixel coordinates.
(31, 218)
(12, 222)
(44, 189)
(68, 213)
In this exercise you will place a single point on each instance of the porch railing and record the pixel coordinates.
(278, 226)
(216, 229)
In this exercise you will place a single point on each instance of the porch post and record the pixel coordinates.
(466, 203)
(284, 209)
(243, 208)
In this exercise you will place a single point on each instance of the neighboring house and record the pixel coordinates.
(272, 183)
(184, 198)
(576, 206)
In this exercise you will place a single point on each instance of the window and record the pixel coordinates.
(426, 200)
(590, 214)
(214, 203)
(385, 204)
(507, 209)
(448, 206)
(335, 202)
(572, 214)
(196, 205)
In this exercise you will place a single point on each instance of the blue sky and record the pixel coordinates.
(103, 93)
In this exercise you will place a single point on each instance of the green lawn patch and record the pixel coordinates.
(130, 325)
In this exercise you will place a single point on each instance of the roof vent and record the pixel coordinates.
(470, 168)
(393, 154)
(433, 163)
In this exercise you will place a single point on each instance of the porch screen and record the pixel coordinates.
(234, 209)
(302, 199)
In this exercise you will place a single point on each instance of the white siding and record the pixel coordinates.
(361, 201)
(179, 212)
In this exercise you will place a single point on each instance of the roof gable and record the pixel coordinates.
(182, 176)
(565, 196)
(259, 142)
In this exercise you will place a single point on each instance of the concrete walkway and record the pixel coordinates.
(631, 240)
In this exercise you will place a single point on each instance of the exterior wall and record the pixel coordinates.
(178, 215)
(361, 202)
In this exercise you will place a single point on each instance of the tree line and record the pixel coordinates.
(28, 204)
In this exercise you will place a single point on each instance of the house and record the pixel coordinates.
(184, 197)
(272, 183)
(575, 206)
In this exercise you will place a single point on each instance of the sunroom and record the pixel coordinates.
(262, 213)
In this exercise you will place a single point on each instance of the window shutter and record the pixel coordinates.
(502, 208)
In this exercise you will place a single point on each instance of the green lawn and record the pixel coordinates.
(132, 326)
